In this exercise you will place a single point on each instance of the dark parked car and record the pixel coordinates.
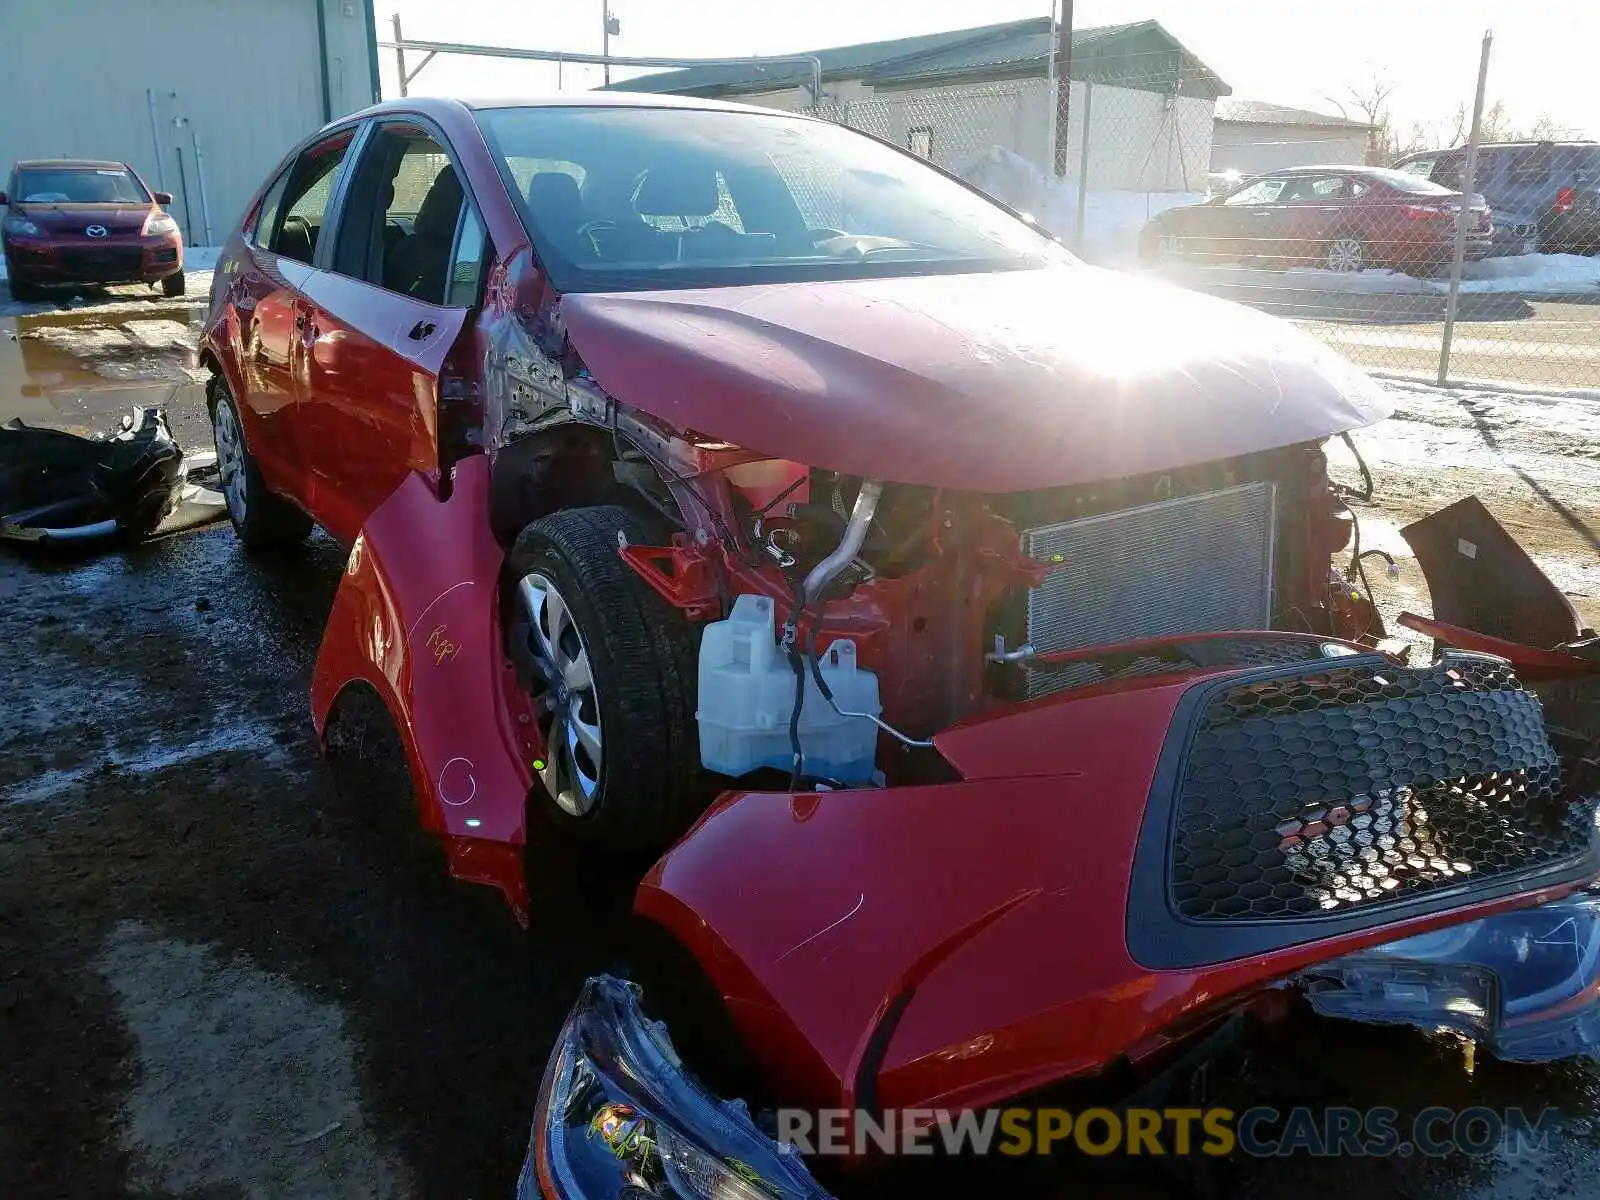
(1341, 218)
(1553, 188)
(87, 221)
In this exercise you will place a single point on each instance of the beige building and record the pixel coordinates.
(201, 97)
(1252, 136)
(954, 96)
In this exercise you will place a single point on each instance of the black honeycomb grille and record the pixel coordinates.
(1353, 786)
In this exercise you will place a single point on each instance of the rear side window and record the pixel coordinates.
(1528, 164)
(305, 201)
(1418, 166)
(1583, 165)
(1449, 172)
(267, 214)
(1262, 191)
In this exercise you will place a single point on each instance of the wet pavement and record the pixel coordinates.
(223, 975)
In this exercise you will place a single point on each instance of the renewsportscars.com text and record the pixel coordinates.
(1260, 1132)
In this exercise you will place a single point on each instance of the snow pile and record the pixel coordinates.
(1519, 275)
(1112, 219)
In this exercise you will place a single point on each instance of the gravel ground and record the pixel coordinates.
(221, 976)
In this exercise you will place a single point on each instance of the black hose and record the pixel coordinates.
(1366, 475)
(792, 644)
(1357, 569)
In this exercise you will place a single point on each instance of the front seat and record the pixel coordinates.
(419, 264)
(558, 213)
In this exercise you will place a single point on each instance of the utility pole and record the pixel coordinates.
(1463, 211)
(611, 26)
(1063, 96)
(399, 53)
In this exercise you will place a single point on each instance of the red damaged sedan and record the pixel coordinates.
(958, 623)
(86, 221)
(1342, 219)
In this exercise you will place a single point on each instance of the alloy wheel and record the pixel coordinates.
(564, 695)
(230, 459)
(1346, 255)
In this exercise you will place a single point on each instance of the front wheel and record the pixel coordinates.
(1345, 254)
(610, 667)
(173, 285)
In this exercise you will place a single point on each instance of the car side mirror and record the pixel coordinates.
(162, 197)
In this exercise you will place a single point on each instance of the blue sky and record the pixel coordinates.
(1278, 50)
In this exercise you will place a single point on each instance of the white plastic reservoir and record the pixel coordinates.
(747, 695)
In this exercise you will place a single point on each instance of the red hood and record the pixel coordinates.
(75, 218)
(996, 382)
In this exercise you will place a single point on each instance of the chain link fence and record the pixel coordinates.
(1307, 217)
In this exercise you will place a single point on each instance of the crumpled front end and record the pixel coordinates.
(1118, 865)
(620, 1116)
(1525, 984)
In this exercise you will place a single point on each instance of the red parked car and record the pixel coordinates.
(1340, 218)
(86, 221)
(686, 448)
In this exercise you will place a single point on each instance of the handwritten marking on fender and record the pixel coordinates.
(456, 777)
(441, 647)
(421, 616)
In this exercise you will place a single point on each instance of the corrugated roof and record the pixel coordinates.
(1141, 54)
(1259, 112)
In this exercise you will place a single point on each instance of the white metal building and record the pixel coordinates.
(201, 97)
(954, 96)
(1252, 136)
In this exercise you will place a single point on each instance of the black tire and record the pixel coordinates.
(173, 285)
(263, 520)
(641, 656)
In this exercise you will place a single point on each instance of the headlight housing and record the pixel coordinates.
(16, 224)
(619, 1116)
(158, 223)
(1526, 983)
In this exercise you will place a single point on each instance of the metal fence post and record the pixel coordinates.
(399, 53)
(1083, 167)
(1469, 172)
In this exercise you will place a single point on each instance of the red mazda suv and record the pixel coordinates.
(86, 221)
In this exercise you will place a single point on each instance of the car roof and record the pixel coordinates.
(1567, 144)
(436, 105)
(86, 164)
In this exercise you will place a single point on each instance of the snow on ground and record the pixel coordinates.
(1521, 275)
(1112, 219)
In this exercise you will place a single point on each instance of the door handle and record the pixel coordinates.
(421, 331)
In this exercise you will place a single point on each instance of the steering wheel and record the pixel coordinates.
(589, 228)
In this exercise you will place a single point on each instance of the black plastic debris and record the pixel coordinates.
(58, 487)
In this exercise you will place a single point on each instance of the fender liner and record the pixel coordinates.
(416, 618)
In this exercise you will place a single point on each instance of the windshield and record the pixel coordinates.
(625, 197)
(80, 185)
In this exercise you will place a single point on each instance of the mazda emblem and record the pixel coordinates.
(95, 230)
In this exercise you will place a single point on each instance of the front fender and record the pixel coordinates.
(416, 619)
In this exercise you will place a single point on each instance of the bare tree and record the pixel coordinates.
(1370, 102)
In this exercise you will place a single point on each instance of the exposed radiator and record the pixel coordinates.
(1199, 564)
